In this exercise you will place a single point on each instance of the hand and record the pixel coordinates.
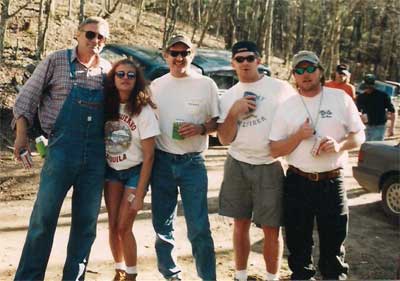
(243, 106)
(305, 131)
(329, 145)
(21, 142)
(187, 130)
(137, 204)
(390, 132)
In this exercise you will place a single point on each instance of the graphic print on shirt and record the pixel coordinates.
(118, 138)
(251, 118)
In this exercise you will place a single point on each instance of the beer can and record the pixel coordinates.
(40, 146)
(26, 158)
(316, 146)
(175, 129)
(250, 94)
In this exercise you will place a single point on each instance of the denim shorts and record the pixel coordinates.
(128, 177)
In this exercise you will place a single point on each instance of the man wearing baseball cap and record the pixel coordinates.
(342, 80)
(313, 130)
(376, 107)
(187, 109)
(252, 185)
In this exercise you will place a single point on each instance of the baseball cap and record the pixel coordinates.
(244, 46)
(342, 69)
(369, 79)
(305, 56)
(178, 38)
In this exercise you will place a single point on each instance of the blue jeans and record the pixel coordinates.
(189, 173)
(325, 201)
(75, 157)
(375, 133)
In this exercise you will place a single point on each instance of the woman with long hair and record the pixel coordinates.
(130, 128)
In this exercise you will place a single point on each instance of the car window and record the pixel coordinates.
(112, 56)
(224, 80)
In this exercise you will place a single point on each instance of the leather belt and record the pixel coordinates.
(316, 176)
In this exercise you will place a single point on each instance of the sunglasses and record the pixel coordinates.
(90, 35)
(308, 69)
(177, 53)
(121, 74)
(241, 59)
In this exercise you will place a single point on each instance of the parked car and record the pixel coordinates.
(387, 87)
(378, 170)
(210, 62)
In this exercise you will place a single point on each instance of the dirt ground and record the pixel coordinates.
(372, 246)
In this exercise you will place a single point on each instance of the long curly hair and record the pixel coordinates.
(140, 95)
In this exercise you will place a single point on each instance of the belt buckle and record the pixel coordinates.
(314, 176)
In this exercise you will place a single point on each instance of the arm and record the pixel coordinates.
(228, 129)
(391, 116)
(286, 146)
(21, 137)
(190, 129)
(145, 172)
(353, 140)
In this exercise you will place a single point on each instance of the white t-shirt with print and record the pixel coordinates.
(122, 137)
(338, 116)
(251, 142)
(192, 99)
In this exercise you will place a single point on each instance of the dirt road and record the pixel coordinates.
(372, 245)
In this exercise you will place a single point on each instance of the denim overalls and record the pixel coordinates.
(75, 157)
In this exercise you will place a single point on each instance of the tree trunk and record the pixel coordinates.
(140, 6)
(210, 17)
(171, 11)
(81, 10)
(70, 8)
(3, 25)
(39, 43)
(268, 36)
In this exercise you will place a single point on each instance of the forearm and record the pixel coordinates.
(353, 140)
(227, 131)
(392, 118)
(210, 126)
(285, 146)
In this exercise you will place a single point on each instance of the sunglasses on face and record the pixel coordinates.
(177, 53)
(308, 69)
(121, 74)
(241, 59)
(90, 35)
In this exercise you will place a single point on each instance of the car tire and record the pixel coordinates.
(391, 197)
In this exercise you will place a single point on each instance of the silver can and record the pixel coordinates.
(26, 158)
(316, 146)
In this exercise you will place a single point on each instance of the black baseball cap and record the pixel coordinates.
(342, 69)
(369, 79)
(245, 46)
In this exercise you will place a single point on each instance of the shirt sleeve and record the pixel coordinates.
(225, 104)
(148, 123)
(279, 128)
(354, 123)
(28, 99)
(214, 109)
(388, 104)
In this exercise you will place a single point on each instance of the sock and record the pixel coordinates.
(131, 269)
(272, 277)
(241, 275)
(120, 265)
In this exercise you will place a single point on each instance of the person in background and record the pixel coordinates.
(66, 89)
(187, 104)
(313, 130)
(342, 80)
(130, 130)
(375, 108)
(252, 185)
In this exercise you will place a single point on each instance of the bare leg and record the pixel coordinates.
(273, 248)
(241, 242)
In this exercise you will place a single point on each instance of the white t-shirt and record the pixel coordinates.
(192, 99)
(251, 142)
(122, 137)
(338, 116)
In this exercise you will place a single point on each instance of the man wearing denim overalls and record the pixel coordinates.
(187, 105)
(67, 91)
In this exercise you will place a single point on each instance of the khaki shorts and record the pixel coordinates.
(252, 192)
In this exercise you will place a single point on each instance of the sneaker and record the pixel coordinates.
(119, 275)
(173, 278)
(130, 277)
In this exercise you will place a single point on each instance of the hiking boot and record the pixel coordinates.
(119, 275)
(130, 277)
